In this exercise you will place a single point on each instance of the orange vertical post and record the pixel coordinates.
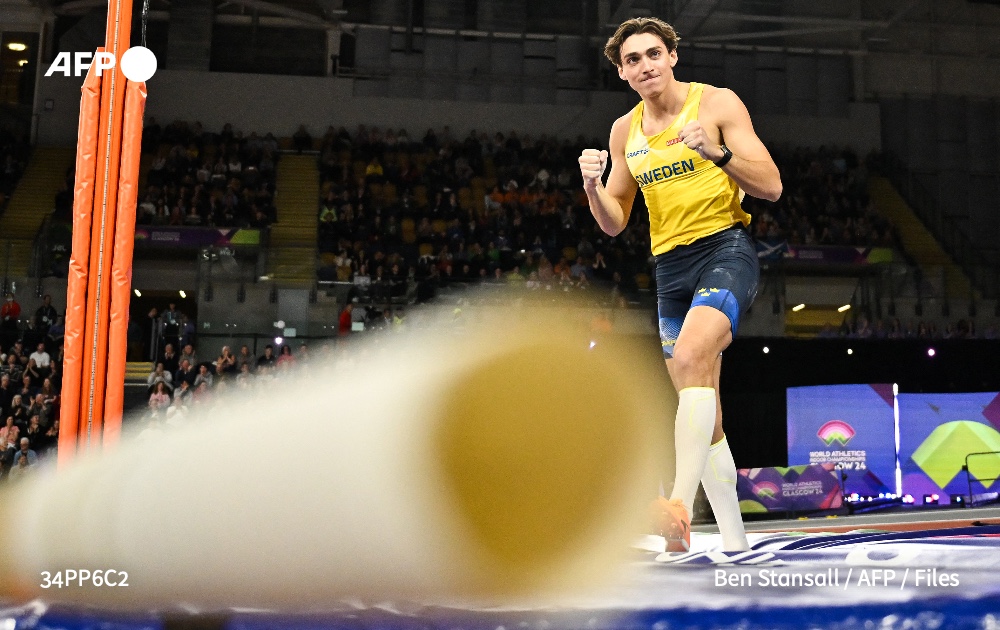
(94, 379)
(104, 190)
(121, 270)
(79, 263)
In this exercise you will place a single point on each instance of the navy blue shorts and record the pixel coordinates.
(720, 270)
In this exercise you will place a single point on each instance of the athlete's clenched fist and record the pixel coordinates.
(592, 165)
(695, 137)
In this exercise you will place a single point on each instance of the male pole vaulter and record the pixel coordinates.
(693, 151)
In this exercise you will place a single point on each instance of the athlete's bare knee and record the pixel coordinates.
(694, 366)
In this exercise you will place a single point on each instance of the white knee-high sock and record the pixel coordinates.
(692, 437)
(719, 481)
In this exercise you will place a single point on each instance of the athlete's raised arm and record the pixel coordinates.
(751, 166)
(610, 204)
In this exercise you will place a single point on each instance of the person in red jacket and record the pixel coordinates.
(345, 320)
(9, 313)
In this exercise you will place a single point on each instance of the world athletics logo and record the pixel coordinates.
(836, 431)
(766, 490)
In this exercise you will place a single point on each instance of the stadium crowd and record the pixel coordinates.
(200, 178)
(825, 202)
(443, 212)
(405, 217)
(507, 208)
(862, 327)
(30, 385)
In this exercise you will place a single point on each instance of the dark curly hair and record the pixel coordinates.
(613, 49)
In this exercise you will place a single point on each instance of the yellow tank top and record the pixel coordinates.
(688, 197)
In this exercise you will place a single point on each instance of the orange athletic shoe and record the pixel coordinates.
(671, 520)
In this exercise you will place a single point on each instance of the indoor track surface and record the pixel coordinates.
(909, 571)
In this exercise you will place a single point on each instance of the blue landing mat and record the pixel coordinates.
(948, 578)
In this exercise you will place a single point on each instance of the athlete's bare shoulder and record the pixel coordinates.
(625, 119)
(716, 100)
(619, 131)
(622, 124)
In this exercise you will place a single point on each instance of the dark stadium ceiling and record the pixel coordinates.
(947, 27)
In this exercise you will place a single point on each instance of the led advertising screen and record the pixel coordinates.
(795, 489)
(939, 433)
(850, 426)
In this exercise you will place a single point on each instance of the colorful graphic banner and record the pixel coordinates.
(824, 254)
(939, 432)
(195, 237)
(849, 426)
(795, 489)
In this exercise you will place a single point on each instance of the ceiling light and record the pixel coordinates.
(798, 308)
(845, 307)
(137, 292)
(16, 46)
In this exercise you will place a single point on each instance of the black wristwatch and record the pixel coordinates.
(726, 156)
